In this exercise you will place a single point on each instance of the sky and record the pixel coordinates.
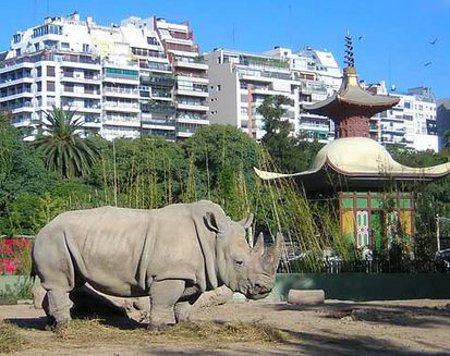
(403, 42)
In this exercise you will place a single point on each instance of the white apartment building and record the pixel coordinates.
(239, 82)
(120, 79)
(191, 76)
(411, 123)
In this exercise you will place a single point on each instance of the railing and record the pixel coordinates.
(367, 265)
(120, 90)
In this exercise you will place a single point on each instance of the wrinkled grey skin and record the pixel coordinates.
(171, 254)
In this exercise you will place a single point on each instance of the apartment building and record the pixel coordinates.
(122, 80)
(411, 123)
(239, 82)
(190, 74)
(316, 75)
(443, 122)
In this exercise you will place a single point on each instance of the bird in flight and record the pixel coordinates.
(427, 64)
(434, 41)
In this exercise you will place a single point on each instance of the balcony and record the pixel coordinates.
(201, 78)
(192, 91)
(198, 63)
(153, 66)
(82, 108)
(120, 120)
(120, 106)
(120, 75)
(192, 121)
(121, 92)
(79, 78)
(70, 92)
(192, 106)
(158, 108)
(9, 81)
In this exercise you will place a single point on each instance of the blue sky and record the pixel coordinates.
(395, 43)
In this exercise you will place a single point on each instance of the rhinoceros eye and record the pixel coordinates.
(239, 262)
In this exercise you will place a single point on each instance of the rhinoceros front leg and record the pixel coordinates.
(163, 297)
(57, 306)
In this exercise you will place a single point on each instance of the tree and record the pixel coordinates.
(290, 153)
(222, 160)
(64, 149)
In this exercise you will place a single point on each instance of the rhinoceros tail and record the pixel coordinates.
(33, 272)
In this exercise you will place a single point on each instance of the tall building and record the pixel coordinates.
(240, 81)
(443, 122)
(122, 80)
(411, 123)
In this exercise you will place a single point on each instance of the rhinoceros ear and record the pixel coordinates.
(247, 222)
(211, 222)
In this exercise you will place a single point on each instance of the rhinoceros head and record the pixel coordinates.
(250, 271)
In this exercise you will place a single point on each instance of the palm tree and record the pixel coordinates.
(65, 151)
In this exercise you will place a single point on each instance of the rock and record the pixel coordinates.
(306, 297)
(38, 296)
(217, 296)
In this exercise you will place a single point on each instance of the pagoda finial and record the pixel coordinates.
(349, 60)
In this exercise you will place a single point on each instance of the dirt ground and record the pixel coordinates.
(413, 327)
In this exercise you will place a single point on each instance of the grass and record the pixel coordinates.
(10, 340)
(93, 331)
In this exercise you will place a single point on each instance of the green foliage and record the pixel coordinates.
(291, 154)
(64, 150)
(29, 212)
(222, 159)
(21, 289)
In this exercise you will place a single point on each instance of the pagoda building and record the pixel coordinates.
(351, 107)
(375, 193)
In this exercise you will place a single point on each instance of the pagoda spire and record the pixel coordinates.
(349, 59)
(351, 107)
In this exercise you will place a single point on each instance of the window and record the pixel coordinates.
(50, 86)
(85, 47)
(65, 45)
(407, 105)
(50, 71)
(219, 87)
(152, 41)
(17, 37)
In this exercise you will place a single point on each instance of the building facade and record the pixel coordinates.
(411, 123)
(443, 122)
(239, 82)
(122, 80)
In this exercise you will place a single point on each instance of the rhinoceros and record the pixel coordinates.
(172, 255)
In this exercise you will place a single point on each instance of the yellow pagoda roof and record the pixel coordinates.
(360, 158)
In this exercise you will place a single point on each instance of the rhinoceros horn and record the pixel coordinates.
(273, 253)
(258, 249)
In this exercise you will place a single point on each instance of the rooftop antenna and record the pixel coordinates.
(233, 35)
(290, 26)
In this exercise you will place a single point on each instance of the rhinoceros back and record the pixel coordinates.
(119, 251)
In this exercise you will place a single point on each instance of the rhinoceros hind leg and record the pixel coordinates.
(183, 312)
(57, 306)
(163, 297)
